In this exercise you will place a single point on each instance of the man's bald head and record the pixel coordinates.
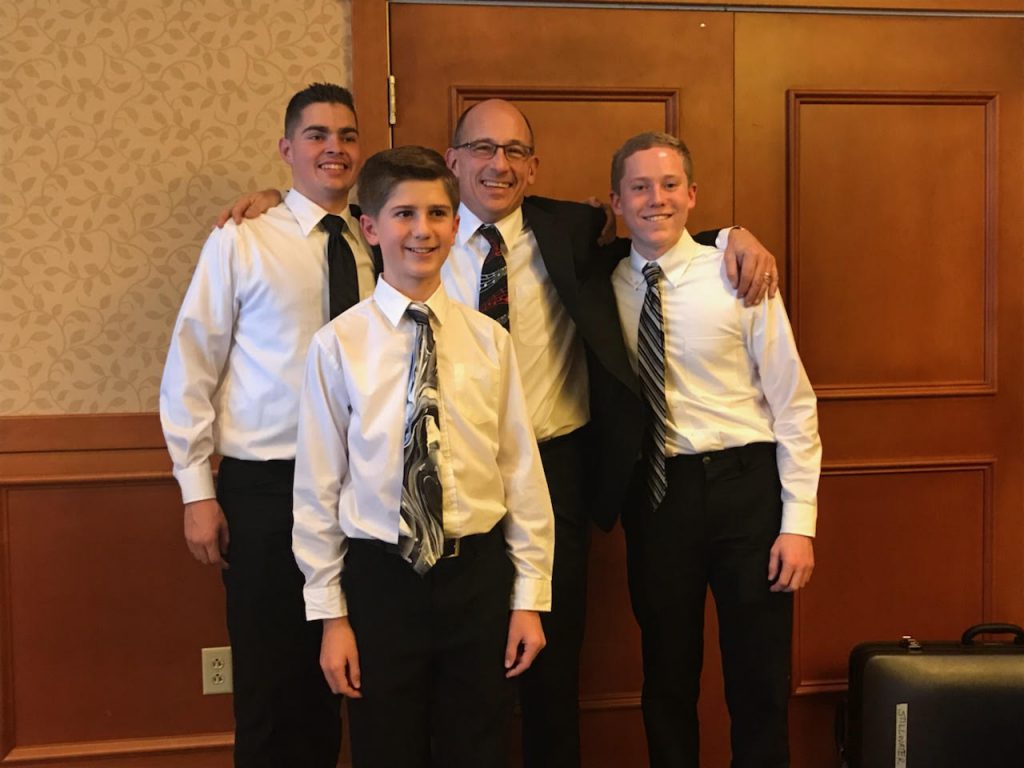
(459, 133)
(492, 156)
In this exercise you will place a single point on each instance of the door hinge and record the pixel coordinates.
(392, 101)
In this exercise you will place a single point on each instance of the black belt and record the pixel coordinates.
(741, 453)
(451, 548)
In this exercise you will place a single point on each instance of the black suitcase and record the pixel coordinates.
(936, 705)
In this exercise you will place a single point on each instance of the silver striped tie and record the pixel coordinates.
(650, 349)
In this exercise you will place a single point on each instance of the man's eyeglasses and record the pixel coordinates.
(485, 150)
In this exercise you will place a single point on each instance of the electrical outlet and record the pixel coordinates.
(217, 670)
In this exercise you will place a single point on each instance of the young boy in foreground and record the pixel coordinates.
(423, 523)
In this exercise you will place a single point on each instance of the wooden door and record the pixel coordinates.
(880, 159)
(587, 79)
(883, 157)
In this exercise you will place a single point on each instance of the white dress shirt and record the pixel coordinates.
(550, 355)
(349, 456)
(732, 373)
(234, 368)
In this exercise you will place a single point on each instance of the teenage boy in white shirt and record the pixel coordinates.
(724, 420)
(423, 523)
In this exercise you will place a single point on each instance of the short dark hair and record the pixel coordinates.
(648, 140)
(385, 170)
(457, 137)
(316, 93)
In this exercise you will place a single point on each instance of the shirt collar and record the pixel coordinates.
(393, 302)
(309, 214)
(673, 262)
(469, 223)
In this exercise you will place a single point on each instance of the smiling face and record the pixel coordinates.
(654, 198)
(415, 229)
(492, 188)
(323, 152)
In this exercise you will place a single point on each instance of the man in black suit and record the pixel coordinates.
(707, 438)
(524, 269)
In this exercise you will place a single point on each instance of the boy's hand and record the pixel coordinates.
(206, 532)
(249, 206)
(792, 561)
(750, 267)
(339, 657)
(525, 639)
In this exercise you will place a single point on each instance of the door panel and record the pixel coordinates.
(587, 79)
(882, 156)
(880, 159)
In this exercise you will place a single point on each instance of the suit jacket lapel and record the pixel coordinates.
(604, 331)
(556, 251)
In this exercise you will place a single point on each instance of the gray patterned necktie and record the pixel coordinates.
(650, 350)
(421, 485)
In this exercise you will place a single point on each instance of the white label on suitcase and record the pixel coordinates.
(901, 736)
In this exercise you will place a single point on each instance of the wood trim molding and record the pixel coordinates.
(796, 99)
(6, 653)
(205, 742)
(371, 65)
(460, 95)
(72, 432)
(610, 701)
(984, 464)
(860, 7)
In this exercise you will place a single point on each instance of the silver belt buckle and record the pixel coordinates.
(456, 548)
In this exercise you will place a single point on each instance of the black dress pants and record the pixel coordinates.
(549, 691)
(716, 526)
(431, 656)
(285, 714)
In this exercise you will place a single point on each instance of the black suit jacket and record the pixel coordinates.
(617, 414)
(581, 273)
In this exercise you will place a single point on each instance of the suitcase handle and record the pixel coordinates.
(993, 629)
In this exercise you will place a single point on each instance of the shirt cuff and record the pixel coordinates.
(324, 602)
(722, 240)
(196, 483)
(531, 594)
(799, 517)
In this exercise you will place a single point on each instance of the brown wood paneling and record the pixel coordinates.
(962, 6)
(102, 610)
(885, 556)
(938, 156)
(914, 154)
(197, 751)
(574, 85)
(370, 69)
(93, 432)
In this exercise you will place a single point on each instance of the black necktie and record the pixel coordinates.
(650, 351)
(342, 277)
(421, 486)
(493, 300)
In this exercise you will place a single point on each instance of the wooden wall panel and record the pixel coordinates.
(592, 78)
(866, 6)
(882, 159)
(863, 166)
(905, 551)
(103, 609)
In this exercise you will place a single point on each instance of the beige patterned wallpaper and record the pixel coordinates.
(125, 126)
